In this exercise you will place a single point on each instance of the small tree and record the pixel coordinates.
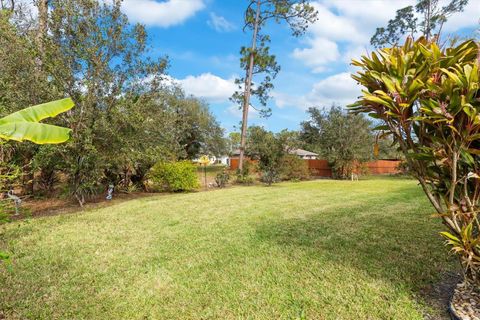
(233, 142)
(429, 100)
(268, 149)
(345, 140)
(293, 168)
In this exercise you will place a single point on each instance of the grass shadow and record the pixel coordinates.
(393, 239)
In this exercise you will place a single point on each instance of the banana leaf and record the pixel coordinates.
(24, 124)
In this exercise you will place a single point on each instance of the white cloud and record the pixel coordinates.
(470, 17)
(339, 89)
(344, 28)
(219, 23)
(283, 100)
(161, 14)
(321, 52)
(235, 111)
(209, 87)
(367, 12)
(354, 52)
(336, 27)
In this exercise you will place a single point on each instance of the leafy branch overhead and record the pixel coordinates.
(427, 17)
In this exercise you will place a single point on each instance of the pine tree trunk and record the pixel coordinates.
(248, 85)
(42, 29)
(42, 18)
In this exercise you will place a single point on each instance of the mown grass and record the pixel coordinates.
(315, 250)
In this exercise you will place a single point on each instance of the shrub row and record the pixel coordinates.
(182, 175)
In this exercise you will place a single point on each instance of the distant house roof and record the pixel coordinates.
(303, 153)
(298, 152)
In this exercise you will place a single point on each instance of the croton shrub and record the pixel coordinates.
(428, 98)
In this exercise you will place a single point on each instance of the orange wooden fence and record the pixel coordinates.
(321, 168)
(383, 166)
(234, 163)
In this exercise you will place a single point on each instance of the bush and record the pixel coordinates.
(270, 176)
(222, 179)
(293, 168)
(268, 149)
(47, 161)
(245, 176)
(174, 176)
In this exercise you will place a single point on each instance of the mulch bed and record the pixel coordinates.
(33, 208)
(465, 304)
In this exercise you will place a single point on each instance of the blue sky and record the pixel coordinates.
(203, 39)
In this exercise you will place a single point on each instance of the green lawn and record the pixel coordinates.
(315, 250)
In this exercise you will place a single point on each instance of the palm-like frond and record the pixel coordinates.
(24, 124)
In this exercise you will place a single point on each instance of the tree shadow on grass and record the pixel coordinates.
(392, 239)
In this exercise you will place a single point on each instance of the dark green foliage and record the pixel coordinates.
(233, 142)
(247, 174)
(197, 130)
(85, 172)
(264, 63)
(122, 123)
(174, 176)
(222, 178)
(10, 177)
(270, 176)
(47, 161)
(344, 139)
(293, 168)
(268, 148)
(387, 148)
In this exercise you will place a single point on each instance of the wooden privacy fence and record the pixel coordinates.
(233, 163)
(321, 168)
(383, 166)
